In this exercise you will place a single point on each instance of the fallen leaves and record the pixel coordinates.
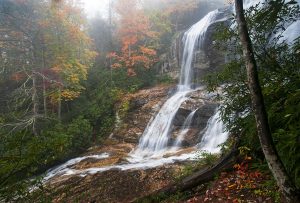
(240, 185)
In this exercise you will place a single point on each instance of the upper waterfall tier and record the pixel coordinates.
(192, 38)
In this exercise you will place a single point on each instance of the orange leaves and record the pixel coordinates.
(134, 32)
(147, 51)
(18, 76)
(111, 55)
(56, 69)
(44, 24)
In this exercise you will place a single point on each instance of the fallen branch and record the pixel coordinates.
(200, 177)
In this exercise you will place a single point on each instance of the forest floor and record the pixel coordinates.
(239, 185)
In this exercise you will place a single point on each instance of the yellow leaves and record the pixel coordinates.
(90, 55)
(69, 95)
(116, 65)
(74, 78)
(66, 95)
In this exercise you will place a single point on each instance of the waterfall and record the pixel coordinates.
(155, 139)
(195, 34)
(156, 136)
(185, 128)
(214, 135)
(153, 143)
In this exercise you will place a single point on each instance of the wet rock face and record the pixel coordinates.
(143, 106)
(205, 107)
(170, 62)
(207, 58)
(202, 115)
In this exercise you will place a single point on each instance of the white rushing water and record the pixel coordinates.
(156, 136)
(185, 128)
(214, 135)
(193, 37)
(155, 139)
(212, 138)
(65, 168)
(153, 149)
(290, 32)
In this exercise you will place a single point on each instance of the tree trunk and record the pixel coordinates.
(44, 85)
(34, 103)
(45, 97)
(275, 164)
(59, 104)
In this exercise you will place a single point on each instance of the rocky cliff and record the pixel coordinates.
(207, 58)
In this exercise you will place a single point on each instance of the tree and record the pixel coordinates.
(274, 162)
(68, 47)
(134, 31)
(46, 52)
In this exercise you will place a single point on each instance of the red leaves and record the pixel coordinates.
(134, 32)
(236, 186)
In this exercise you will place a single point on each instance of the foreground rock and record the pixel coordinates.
(115, 185)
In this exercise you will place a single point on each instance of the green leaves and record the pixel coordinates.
(279, 76)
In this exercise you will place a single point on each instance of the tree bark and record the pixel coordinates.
(45, 97)
(44, 84)
(59, 104)
(263, 130)
(34, 102)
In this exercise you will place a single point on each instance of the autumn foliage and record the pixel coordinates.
(69, 52)
(136, 37)
(241, 184)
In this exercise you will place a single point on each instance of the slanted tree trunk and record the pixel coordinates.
(45, 97)
(59, 104)
(34, 103)
(275, 164)
(44, 84)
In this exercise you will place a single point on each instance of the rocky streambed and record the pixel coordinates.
(106, 174)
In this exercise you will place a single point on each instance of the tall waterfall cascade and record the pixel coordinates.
(155, 139)
(155, 142)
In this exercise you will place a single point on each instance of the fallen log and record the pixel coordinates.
(200, 177)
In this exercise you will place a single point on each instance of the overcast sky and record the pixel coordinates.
(94, 7)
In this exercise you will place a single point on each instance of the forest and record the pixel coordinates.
(150, 101)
